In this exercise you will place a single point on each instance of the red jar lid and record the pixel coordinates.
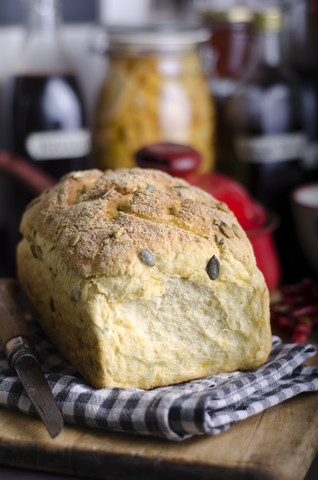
(175, 159)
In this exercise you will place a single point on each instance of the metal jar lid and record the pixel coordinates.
(160, 37)
(270, 20)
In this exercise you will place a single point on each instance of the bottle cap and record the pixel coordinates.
(270, 20)
(236, 14)
(175, 159)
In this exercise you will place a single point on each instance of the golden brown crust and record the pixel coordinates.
(142, 280)
(100, 221)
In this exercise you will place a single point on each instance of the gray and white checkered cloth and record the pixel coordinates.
(206, 406)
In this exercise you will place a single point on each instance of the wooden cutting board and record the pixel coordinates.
(279, 443)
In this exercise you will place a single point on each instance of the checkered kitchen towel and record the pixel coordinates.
(206, 406)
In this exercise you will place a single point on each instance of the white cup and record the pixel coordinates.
(304, 201)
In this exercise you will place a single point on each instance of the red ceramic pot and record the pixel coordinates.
(259, 225)
(265, 251)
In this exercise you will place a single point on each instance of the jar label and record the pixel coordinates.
(58, 144)
(270, 148)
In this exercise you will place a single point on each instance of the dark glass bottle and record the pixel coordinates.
(47, 122)
(268, 134)
(309, 94)
(301, 50)
(45, 109)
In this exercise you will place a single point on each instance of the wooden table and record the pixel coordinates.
(279, 443)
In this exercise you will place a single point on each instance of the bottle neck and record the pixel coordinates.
(268, 48)
(43, 17)
(43, 50)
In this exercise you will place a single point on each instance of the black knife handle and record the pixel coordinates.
(12, 321)
(14, 337)
(19, 351)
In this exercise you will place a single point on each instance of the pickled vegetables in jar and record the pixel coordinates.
(155, 90)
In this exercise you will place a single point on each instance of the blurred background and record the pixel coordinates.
(223, 93)
(89, 83)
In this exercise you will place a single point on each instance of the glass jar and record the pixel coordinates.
(155, 90)
(230, 40)
(226, 56)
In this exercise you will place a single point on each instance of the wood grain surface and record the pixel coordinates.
(279, 443)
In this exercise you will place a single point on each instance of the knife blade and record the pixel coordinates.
(16, 341)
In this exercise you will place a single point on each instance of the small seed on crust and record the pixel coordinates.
(219, 239)
(236, 231)
(213, 267)
(97, 194)
(150, 187)
(224, 228)
(36, 251)
(222, 206)
(147, 257)
(32, 248)
(75, 240)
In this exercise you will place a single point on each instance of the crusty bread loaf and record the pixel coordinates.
(142, 280)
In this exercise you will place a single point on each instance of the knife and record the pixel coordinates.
(16, 341)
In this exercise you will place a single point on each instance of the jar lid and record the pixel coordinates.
(156, 36)
(270, 20)
(173, 158)
(237, 14)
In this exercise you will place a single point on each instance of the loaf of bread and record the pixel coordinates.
(141, 280)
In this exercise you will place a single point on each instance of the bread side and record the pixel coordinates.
(115, 265)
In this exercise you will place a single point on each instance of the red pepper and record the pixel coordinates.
(296, 299)
(280, 308)
(296, 311)
(302, 330)
(297, 288)
(310, 309)
(284, 323)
